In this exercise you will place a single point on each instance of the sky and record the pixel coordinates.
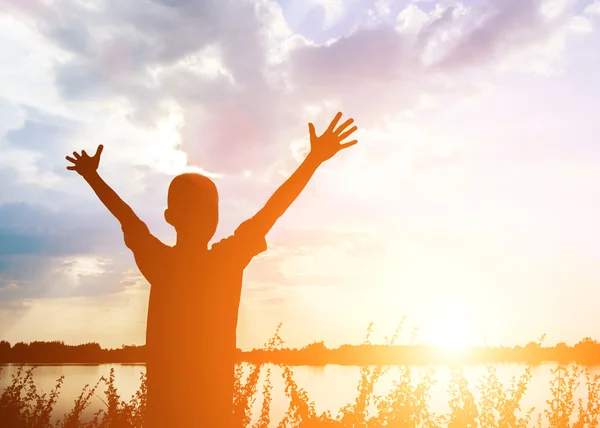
(470, 205)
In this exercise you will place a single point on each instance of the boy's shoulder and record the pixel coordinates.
(241, 246)
(223, 244)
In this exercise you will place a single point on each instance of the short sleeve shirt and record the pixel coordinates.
(194, 298)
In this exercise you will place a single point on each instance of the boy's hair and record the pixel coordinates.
(190, 189)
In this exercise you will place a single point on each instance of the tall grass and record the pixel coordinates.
(405, 405)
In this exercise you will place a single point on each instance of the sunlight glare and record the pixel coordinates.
(164, 152)
(453, 333)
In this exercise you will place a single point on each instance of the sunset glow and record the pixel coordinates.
(470, 196)
(453, 334)
(258, 212)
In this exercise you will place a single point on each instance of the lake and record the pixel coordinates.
(330, 387)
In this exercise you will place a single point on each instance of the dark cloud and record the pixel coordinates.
(45, 133)
(40, 251)
(497, 27)
(11, 243)
(388, 70)
(356, 58)
(244, 119)
(240, 118)
(35, 229)
(28, 277)
(32, 132)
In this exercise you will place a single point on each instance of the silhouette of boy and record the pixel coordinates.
(195, 291)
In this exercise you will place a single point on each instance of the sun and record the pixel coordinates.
(452, 333)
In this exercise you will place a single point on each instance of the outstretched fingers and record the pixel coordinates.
(343, 126)
(348, 133)
(76, 155)
(350, 144)
(99, 150)
(334, 122)
(70, 159)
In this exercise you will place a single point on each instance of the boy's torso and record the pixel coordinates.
(193, 306)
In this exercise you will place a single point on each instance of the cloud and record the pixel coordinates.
(425, 50)
(76, 319)
(125, 51)
(238, 112)
(593, 8)
(41, 230)
(59, 253)
(228, 86)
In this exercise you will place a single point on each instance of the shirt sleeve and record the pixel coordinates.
(136, 234)
(146, 248)
(246, 243)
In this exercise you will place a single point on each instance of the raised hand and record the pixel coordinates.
(83, 163)
(329, 143)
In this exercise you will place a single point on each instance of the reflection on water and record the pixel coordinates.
(330, 387)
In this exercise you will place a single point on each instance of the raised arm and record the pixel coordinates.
(87, 167)
(322, 148)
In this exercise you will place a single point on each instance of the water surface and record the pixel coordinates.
(330, 387)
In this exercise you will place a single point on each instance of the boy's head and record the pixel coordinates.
(193, 206)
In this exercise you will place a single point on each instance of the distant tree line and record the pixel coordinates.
(59, 352)
(585, 352)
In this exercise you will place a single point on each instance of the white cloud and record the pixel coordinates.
(227, 87)
(593, 8)
(334, 10)
(412, 19)
(239, 77)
